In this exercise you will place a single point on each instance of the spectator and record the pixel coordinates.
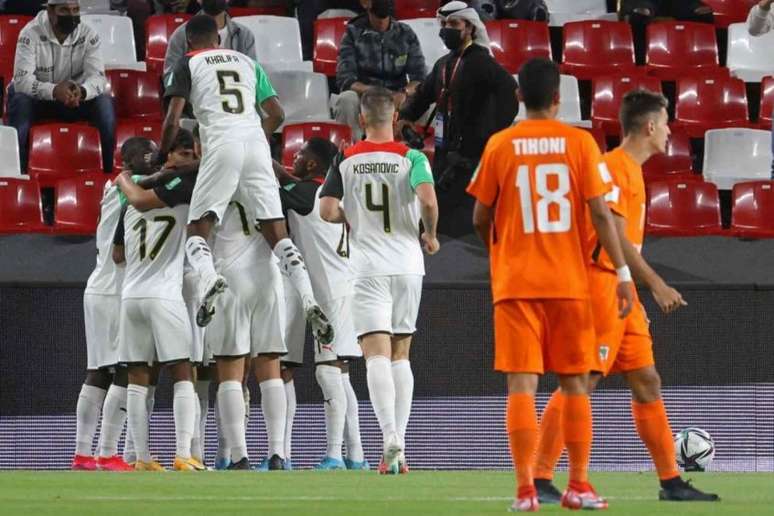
(475, 97)
(759, 22)
(22, 7)
(309, 10)
(59, 74)
(175, 6)
(376, 50)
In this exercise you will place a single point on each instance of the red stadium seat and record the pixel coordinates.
(704, 104)
(607, 93)
(126, 129)
(408, 9)
(597, 47)
(599, 137)
(63, 150)
(158, 30)
(10, 27)
(752, 209)
(680, 49)
(730, 11)
(683, 208)
(77, 206)
(675, 163)
(20, 206)
(136, 94)
(514, 42)
(328, 33)
(767, 102)
(273, 10)
(294, 136)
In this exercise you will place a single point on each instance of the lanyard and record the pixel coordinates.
(446, 88)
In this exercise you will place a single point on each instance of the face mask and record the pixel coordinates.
(67, 24)
(452, 38)
(214, 7)
(381, 8)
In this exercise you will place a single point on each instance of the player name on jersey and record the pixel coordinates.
(539, 146)
(376, 168)
(221, 59)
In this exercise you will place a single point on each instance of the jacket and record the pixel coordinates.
(379, 58)
(42, 62)
(760, 22)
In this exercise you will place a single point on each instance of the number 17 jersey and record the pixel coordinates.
(538, 176)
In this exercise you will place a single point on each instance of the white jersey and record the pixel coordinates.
(376, 184)
(107, 277)
(236, 235)
(223, 86)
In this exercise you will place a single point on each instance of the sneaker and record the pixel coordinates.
(216, 286)
(276, 463)
(322, 330)
(148, 466)
(241, 465)
(388, 468)
(681, 491)
(330, 464)
(526, 501)
(222, 463)
(83, 463)
(580, 495)
(357, 466)
(403, 468)
(262, 466)
(114, 463)
(393, 448)
(547, 492)
(189, 464)
(288, 465)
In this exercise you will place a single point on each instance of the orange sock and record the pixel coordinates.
(576, 420)
(551, 442)
(653, 426)
(521, 424)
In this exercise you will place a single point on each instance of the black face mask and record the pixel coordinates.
(67, 24)
(214, 7)
(452, 38)
(381, 8)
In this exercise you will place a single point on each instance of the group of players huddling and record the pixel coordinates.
(196, 272)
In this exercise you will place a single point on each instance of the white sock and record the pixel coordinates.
(113, 420)
(223, 451)
(274, 407)
(404, 394)
(196, 438)
(200, 256)
(290, 397)
(87, 416)
(335, 400)
(130, 454)
(292, 265)
(381, 390)
(246, 397)
(203, 393)
(231, 405)
(137, 414)
(352, 422)
(184, 409)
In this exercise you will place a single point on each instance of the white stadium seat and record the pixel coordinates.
(96, 7)
(427, 30)
(749, 57)
(569, 108)
(277, 42)
(336, 13)
(116, 40)
(304, 95)
(736, 155)
(9, 152)
(564, 11)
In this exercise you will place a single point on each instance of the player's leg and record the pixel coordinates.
(137, 415)
(328, 375)
(290, 413)
(295, 340)
(113, 421)
(202, 388)
(231, 409)
(273, 406)
(184, 405)
(87, 411)
(355, 456)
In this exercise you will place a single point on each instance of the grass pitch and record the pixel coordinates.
(340, 493)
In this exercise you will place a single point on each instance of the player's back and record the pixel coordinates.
(107, 276)
(237, 235)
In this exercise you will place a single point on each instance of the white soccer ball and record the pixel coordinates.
(694, 448)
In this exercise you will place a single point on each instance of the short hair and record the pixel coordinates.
(539, 81)
(324, 151)
(184, 140)
(637, 106)
(377, 105)
(201, 29)
(135, 147)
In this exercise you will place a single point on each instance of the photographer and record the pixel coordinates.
(475, 97)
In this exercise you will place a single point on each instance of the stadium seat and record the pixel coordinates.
(565, 11)
(426, 30)
(304, 95)
(116, 36)
(767, 102)
(96, 7)
(676, 162)
(126, 129)
(407, 9)
(749, 57)
(9, 152)
(727, 12)
(20, 206)
(599, 137)
(158, 30)
(77, 206)
(328, 33)
(63, 150)
(570, 106)
(736, 155)
(277, 42)
(136, 95)
(607, 93)
(704, 104)
(514, 42)
(594, 48)
(295, 135)
(10, 27)
(682, 208)
(678, 49)
(752, 209)
(272, 10)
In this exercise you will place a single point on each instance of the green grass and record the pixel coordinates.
(340, 493)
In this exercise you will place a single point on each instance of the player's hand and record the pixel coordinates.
(668, 299)
(625, 294)
(430, 243)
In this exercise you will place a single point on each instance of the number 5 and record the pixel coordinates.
(557, 196)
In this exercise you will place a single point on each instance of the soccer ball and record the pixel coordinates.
(694, 448)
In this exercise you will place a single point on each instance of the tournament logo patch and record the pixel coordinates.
(604, 352)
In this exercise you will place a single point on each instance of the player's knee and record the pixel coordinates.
(574, 385)
(181, 371)
(645, 384)
(594, 379)
(100, 378)
(121, 377)
(287, 374)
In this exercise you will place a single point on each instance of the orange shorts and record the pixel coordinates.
(544, 335)
(622, 344)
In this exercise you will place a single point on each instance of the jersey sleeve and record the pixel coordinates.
(334, 185)
(420, 169)
(615, 177)
(176, 192)
(485, 185)
(592, 169)
(263, 87)
(122, 196)
(178, 83)
(118, 236)
(298, 197)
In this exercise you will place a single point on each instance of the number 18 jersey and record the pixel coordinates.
(538, 176)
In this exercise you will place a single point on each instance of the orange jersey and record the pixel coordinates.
(538, 177)
(626, 198)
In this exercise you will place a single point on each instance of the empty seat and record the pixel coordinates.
(683, 208)
(426, 30)
(407, 9)
(10, 27)
(328, 33)
(136, 94)
(77, 206)
(116, 36)
(158, 30)
(304, 95)
(20, 206)
(295, 135)
(9, 152)
(727, 12)
(607, 94)
(126, 129)
(277, 42)
(736, 155)
(593, 48)
(565, 11)
(752, 209)
(677, 49)
(676, 161)
(704, 104)
(514, 42)
(569, 106)
(96, 7)
(767, 102)
(273, 10)
(63, 150)
(749, 57)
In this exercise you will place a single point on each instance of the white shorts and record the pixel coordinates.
(101, 315)
(250, 315)
(240, 172)
(154, 330)
(387, 304)
(199, 354)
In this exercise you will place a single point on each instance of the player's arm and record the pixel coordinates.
(274, 115)
(421, 179)
(331, 210)
(331, 194)
(141, 199)
(119, 252)
(604, 225)
(283, 176)
(482, 222)
(163, 177)
(171, 125)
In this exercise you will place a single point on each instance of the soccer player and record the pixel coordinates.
(532, 188)
(625, 346)
(326, 249)
(382, 189)
(223, 87)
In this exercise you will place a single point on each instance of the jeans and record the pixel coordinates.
(24, 110)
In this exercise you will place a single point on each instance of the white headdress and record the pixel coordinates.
(461, 10)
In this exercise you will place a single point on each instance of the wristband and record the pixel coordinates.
(624, 274)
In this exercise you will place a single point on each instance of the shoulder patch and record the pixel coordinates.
(288, 187)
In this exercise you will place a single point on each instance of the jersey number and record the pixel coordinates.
(225, 90)
(384, 207)
(142, 227)
(548, 197)
(243, 219)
